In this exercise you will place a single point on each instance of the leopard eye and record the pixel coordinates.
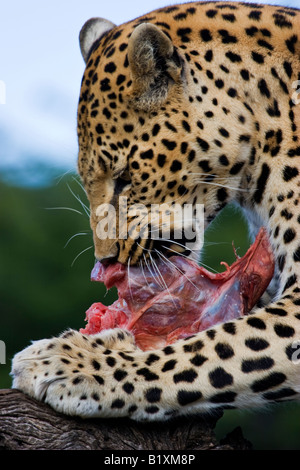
(122, 180)
(120, 184)
(123, 174)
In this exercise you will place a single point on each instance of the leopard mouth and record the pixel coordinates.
(175, 298)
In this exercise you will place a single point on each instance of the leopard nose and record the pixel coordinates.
(108, 260)
(105, 252)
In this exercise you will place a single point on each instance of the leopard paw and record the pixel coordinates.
(65, 371)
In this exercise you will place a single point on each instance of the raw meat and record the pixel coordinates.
(176, 298)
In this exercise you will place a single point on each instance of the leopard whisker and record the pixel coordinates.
(157, 270)
(146, 280)
(179, 270)
(84, 206)
(199, 181)
(148, 265)
(76, 235)
(164, 282)
(59, 178)
(76, 180)
(187, 257)
(83, 251)
(175, 242)
(64, 208)
(128, 274)
(164, 225)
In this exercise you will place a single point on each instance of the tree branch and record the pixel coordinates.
(26, 424)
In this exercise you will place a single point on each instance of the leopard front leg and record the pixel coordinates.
(248, 362)
(72, 373)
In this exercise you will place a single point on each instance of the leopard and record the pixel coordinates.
(195, 103)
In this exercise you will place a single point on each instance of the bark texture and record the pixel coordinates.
(26, 424)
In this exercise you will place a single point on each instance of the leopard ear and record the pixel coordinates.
(154, 63)
(91, 31)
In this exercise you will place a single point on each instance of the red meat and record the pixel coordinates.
(176, 298)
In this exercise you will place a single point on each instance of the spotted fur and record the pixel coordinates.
(192, 103)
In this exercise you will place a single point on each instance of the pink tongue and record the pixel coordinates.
(177, 298)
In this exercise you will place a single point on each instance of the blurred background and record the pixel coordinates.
(46, 252)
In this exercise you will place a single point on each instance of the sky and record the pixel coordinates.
(41, 69)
